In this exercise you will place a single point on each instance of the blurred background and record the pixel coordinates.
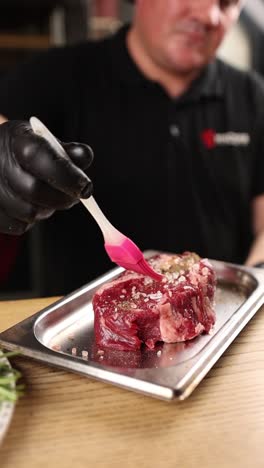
(29, 26)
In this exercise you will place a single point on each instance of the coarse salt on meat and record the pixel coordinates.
(178, 308)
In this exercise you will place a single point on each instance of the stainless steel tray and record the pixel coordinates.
(54, 334)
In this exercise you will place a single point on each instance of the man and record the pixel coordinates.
(177, 138)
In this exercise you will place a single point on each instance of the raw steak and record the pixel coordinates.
(134, 309)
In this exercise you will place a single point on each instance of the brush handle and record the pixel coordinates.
(110, 233)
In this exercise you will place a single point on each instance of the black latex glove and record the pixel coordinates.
(35, 180)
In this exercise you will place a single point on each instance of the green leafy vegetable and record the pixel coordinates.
(9, 390)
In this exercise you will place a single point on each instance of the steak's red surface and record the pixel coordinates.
(134, 309)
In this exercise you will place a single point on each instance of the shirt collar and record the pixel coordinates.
(208, 84)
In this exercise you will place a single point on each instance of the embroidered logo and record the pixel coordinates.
(211, 139)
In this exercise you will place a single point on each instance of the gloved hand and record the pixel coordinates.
(35, 180)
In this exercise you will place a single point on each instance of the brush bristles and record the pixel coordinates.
(149, 271)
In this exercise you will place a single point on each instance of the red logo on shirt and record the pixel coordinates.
(208, 138)
(211, 139)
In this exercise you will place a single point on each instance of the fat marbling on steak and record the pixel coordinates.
(134, 309)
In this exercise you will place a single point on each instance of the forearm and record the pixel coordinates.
(256, 253)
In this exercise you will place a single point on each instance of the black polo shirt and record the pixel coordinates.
(172, 174)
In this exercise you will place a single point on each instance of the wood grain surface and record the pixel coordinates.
(66, 420)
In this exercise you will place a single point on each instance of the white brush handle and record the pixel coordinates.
(110, 233)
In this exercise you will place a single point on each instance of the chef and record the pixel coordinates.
(177, 137)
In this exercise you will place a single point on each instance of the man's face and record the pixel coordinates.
(183, 35)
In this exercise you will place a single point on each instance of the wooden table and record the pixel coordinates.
(66, 420)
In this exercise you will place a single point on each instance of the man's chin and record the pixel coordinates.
(190, 65)
(189, 69)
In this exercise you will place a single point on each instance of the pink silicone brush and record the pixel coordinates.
(119, 248)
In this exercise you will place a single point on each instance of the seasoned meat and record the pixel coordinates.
(134, 309)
